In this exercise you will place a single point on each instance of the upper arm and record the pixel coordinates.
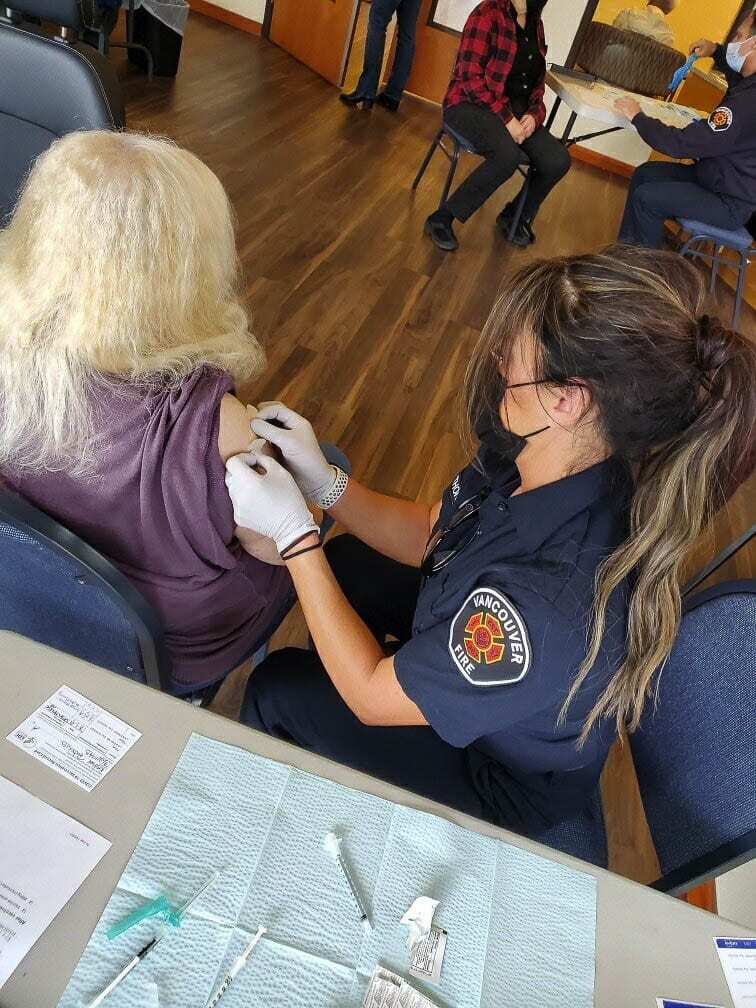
(435, 513)
(234, 434)
(389, 705)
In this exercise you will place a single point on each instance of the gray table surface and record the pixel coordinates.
(647, 944)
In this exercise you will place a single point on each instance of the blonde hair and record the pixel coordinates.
(676, 398)
(119, 260)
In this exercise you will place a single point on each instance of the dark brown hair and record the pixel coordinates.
(665, 6)
(675, 394)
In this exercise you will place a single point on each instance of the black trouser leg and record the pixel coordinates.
(291, 696)
(501, 156)
(382, 592)
(549, 163)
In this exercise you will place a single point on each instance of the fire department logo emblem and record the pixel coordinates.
(488, 640)
(484, 640)
(720, 119)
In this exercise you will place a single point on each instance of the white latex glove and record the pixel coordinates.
(299, 446)
(268, 502)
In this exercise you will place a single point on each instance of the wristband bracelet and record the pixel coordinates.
(307, 549)
(312, 531)
(327, 499)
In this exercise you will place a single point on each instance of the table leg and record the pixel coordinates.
(552, 114)
(568, 127)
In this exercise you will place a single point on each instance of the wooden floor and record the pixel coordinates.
(366, 325)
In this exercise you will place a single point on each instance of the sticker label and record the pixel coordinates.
(488, 640)
(428, 956)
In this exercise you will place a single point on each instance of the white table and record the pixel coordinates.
(596, 100)
(647, 944)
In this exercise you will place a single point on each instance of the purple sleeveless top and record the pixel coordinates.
(158, 508)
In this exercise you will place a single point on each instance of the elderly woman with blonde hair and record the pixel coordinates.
(122, 336)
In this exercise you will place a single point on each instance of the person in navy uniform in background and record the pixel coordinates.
(598, 391)
(495, 101)
(720, 188)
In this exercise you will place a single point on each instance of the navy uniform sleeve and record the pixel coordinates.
(504, 656)
(720, 134)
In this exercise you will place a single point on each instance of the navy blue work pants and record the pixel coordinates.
(660, 191)
(291, 697)
(381, 12)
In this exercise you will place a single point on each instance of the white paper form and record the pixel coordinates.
(75, 737)
(44, 858)
(738, 959)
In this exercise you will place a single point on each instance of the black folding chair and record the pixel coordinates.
(459, 144)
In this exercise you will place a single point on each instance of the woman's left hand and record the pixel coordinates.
(627, 107)
(528, 124)
(266, 499)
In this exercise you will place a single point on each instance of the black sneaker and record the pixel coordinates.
(524, 234)
(441, 234)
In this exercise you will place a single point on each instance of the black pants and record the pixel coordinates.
(549, 161)
(658, 191)
(291, 697)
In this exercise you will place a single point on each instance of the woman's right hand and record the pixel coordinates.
(516, 130)
(703, 48)
(294, 437)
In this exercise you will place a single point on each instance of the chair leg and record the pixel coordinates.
(428, 156)
(715, 267)
(739, 292)
(516, 217)
(450, 177)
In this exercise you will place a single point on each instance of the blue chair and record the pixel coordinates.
(695, 754)
(459, 144)
(56, 589)
(740, 242)
(695, 751)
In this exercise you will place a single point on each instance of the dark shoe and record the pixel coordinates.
(441, 234)
(392, 104)
(353, 99)
(524, 234)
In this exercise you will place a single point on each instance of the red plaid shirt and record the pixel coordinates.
(485, 58)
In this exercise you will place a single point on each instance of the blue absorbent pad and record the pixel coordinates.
(521, 928)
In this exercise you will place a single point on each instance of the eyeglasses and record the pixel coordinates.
(505, 386)
(465, 522)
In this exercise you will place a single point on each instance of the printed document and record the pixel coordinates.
(44, 858)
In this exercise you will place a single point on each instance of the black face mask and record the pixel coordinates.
(496, 440)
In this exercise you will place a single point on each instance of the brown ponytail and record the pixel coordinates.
(676, 397)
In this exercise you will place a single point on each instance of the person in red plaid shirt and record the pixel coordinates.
(495, 101)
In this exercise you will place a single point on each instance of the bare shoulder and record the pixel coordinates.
(234, 434)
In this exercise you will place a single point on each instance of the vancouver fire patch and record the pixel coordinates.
(720, 119)
(488, 640)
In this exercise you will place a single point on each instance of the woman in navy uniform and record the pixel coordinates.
(720, 188)
(465, 650)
